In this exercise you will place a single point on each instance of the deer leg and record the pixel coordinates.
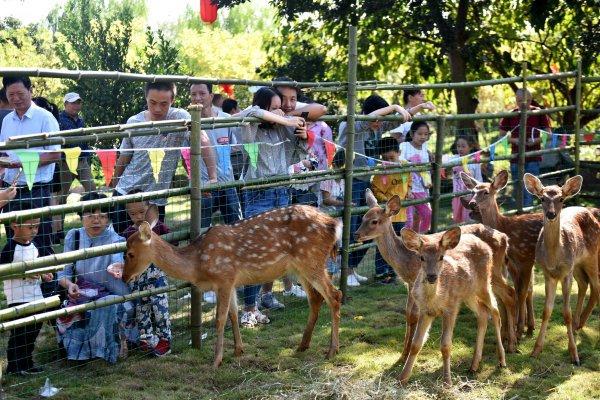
(530, 312)
(314, 302)
(582, 285)
(448, 322)
(223, 298)
(497, 327)
(412, 317)
(417, 344)
(566, 291)
(506, 294)
(235, 326)
(550, 286)
(333, 297)
(595, 294)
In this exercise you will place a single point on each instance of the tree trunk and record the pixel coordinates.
(466, 102)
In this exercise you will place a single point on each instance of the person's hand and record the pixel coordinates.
(214, 180)
(115, 270)
(428, 106)
(279, 112)
(300, 125)
(47, 277)
(405, 114)
(7, 194)
(73, 291)
(15, 164)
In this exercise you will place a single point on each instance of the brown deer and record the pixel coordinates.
(377, 225)
(522, 231)
(296, 239)
(455, 268)
(568, 247)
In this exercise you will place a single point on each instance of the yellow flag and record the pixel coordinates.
(465, 164)
(156, 158)
(72, 158)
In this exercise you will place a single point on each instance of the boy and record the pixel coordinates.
(152, 313)
(18, 291)
(384, 187)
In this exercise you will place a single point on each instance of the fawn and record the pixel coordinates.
(522, 230)
(296, 239)
(455, 268)
(376, 225)
(568, 247)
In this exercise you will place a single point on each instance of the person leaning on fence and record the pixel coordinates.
(414, 103)
(28, 118)
(366, 138)
(93, 333)
(152, 312)
(278, 142)
(230, 106)
(464, 144)
(20, 247)
(133, 169)
(532, 138)
(5, 107)
(384, 187)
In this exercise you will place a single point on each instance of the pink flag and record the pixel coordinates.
(108, 159)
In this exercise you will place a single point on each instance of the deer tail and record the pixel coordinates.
(338, 239)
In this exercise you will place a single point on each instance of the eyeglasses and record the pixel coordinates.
(96, 215)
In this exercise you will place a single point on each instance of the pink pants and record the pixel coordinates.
(422, 212)
(459, 213)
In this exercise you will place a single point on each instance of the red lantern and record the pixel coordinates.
(227, 89)
(208, 11)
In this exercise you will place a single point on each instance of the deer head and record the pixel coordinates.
(430, 249)
(137, 255)
(553, 196)
(474, 212)
(484, 193)
(377, 220)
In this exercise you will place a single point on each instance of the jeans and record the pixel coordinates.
(256, 202)
(228, 203)
(305, 197)
(359, 199)
(382, 267)
(533, 167)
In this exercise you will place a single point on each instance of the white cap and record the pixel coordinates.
(72, 97)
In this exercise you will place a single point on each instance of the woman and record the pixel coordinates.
(98, 333)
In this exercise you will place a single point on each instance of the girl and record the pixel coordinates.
(464, 145)
(414, 150)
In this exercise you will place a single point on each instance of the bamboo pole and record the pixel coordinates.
(196, 218)
(577, 117)
(32, 307)
(437, 176)
(523, 106)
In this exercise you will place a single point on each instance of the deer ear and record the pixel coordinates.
(411, 239)
(371, 200)
(468, 180)
(393, 205)
(500, 180)
(533, 185)
(145, 231)
(572, 186)
(450, 238)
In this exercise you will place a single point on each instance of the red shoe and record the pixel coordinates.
(163, 348)
(145, 346)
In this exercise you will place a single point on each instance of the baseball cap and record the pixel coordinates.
(72, 97)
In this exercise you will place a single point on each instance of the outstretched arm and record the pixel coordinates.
(314, 110)
(394, 108)
(208, 155)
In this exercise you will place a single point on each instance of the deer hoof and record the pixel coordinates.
(576, 363)
(238, 352)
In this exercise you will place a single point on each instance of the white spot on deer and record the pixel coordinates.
(227, 260)
(211, 246)
(204, 257)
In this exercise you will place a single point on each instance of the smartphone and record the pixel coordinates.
(304, 115)
(14, 182)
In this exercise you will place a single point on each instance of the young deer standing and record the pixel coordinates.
(454, 269)
(296, 239)
(522, 230)
(406, 263)
(568, 247)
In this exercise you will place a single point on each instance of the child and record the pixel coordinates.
(464, 145)
(414, 150)
(18, 291)
(384, 187)
(152, 313)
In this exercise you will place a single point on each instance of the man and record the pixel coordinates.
(230, 106)
(133, 169)
(532, 139)
(5, 108)
(217, 100)
(28, 118)
(222, 140)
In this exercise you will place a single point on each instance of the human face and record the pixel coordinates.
(390, 156)
(417, 99)
(95, 222)
(519, 99)
(275, 103)
(159, 102)
(289, 98)
(25, 231)
(19, 97)
(137, 212)
(420, 136)
(73, 108)
(200, 95)
(462, 147)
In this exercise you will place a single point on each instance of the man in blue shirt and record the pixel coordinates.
(27, 118)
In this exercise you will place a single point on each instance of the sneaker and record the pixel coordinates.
(163, 348)
(352, 281)
(145, 346)
(360, 278)
(210, 297)
(296, 291)
(268, 301)
(248, 319)
(260, 317)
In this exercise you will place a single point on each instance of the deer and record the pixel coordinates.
(522, 231)
(296, 239)
(377, 225)
(455, 269)
(568, 247)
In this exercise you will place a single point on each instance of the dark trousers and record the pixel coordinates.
(359, 199)
(305, 197)
(228, 203)
(120, 218)
(19, 351)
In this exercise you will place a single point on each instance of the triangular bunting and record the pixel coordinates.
(156, 158)
(465, 164)
(477, 156)
(492, 152)
(185, 154)
(30, 161)
(223, 156)
(108, 159)
(543, 138)
(252, 150)
(330, 151)
(563, 140)
(505, 142)
(310, 139)
(72, 158)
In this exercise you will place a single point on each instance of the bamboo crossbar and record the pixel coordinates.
(29, 308)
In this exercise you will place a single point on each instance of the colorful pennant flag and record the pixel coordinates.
(330, 151)
(492, 152)
(543, 139)
(72, 158)
(310, 139)
(505, 143)
(108, 159)
(223, 156)
(185, 154)
(252, 150)
(30, 161)
(553, 141)
(156, 158)
(465, 164)
(563, 140)
(477, 156)
(588, 137)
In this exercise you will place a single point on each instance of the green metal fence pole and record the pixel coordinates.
(522, 141)
(352, 63)
(577, 115)
(196, 217)
(437, 176)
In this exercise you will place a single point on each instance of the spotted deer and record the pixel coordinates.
(377, 225)
(455, 269)
(296, 239)
(522, 231)
(568, 247)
